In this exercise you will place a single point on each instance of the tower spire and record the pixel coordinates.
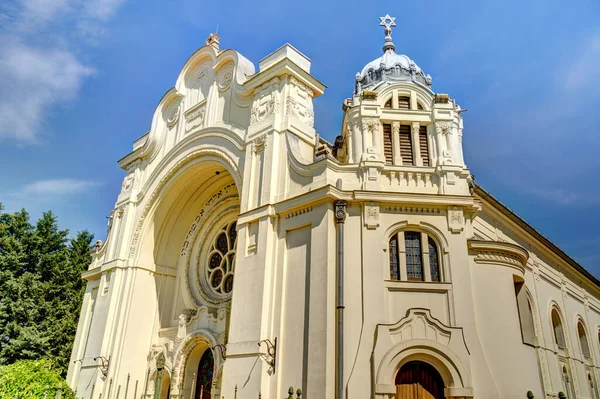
(388, 23)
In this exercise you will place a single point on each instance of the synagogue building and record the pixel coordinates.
(246, 254)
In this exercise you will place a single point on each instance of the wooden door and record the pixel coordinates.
(412, 391)
(419, 380)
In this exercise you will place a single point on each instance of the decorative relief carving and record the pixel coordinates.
(371, 215)
(195, 116)
(225, 192)
(203, 74)
(299, 102)
(455, 219)
(172, 113)
(299, 212)
(225, 78)
(266, 102)
(259, 144)
(340, 207)
(127, 182)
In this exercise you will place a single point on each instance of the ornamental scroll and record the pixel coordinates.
(227, 191)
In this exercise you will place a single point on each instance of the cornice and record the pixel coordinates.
(540, 241)
(496, 252)
(285, 67)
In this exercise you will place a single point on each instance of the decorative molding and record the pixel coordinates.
(502, 253)
(259, 144)
(299, 212)
(411, 209)
(456, 221)
(371, 215)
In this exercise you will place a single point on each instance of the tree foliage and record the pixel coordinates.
(32, 379)
(40, 288)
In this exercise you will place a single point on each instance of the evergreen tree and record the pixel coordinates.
(40, 288)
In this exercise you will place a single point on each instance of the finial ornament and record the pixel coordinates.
(388, 23)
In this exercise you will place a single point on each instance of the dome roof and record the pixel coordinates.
(389, 60)
(390, 67)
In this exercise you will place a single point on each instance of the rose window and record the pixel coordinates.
(221, 260)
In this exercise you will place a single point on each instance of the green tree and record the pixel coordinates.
(32, 379)
(40, 288)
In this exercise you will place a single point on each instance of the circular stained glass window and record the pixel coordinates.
(221, 260)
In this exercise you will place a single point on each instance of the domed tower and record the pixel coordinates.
(399, 131)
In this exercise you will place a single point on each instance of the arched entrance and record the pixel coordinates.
(204, 376)
(419, 380)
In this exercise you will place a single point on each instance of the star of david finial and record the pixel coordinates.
(388, 23)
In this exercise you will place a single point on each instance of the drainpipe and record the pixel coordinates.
(340, 217)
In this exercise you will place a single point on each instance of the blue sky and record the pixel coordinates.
(79, 80)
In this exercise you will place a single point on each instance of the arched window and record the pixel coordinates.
(583, 342)
(414, 256)
(419, 106)
(559, 335)
(388, 103)
(204, 376)
(525, 313)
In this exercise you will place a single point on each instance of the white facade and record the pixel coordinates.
(224, 239)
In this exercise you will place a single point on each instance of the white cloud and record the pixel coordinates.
(38, 69)
(56, 187)
(32, 81)
(102, 9)
(585, 68)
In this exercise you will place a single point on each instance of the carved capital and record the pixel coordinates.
(371, 125)
(444, 127)
(340, 210)
(415, 127)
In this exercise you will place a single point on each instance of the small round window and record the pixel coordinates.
(221, 260)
